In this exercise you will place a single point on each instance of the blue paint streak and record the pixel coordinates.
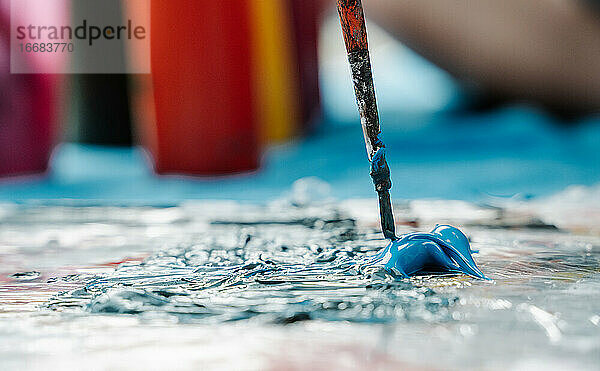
(445, 249)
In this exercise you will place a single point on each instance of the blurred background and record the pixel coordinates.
(477, 99)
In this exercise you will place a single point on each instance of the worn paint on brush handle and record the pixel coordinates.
(355, 35)
(353, 25)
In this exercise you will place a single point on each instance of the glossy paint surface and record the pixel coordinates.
(225, 285)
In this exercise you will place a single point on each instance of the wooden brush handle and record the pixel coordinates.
(355, 35)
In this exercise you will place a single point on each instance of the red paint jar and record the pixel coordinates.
(204, 122)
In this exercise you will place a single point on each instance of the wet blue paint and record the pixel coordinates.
(377, 162)
(444, 249)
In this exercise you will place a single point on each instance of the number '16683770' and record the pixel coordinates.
(47, 48)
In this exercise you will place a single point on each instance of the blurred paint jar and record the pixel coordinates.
(100, 107)
(28, 110)
(201, 74)
(228, 78)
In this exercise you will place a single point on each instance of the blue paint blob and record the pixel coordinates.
(444, 250)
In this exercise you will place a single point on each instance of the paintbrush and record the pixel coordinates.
(355, 36)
